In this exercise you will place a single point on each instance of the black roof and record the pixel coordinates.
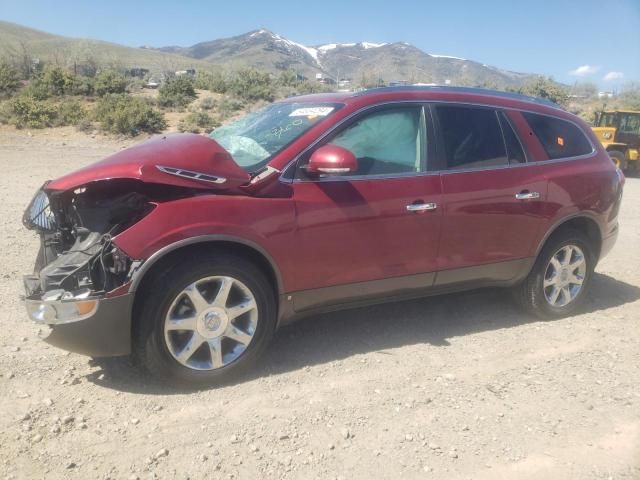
(470, 90)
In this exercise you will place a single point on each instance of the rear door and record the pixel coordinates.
(493, 200)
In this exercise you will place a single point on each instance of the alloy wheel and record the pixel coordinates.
(211, 322)
(564, 276)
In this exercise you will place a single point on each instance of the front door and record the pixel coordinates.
(375, 231)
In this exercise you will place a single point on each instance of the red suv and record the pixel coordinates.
(190, 251)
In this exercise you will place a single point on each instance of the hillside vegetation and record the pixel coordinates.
(48, 81)
(20, 43)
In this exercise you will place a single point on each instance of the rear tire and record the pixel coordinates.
(618, 159)
(560, 278)
(217, 342)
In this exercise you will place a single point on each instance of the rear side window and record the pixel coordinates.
(514, 148)
(471, 137)
(559, 138)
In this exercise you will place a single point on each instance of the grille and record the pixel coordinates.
(38, 215)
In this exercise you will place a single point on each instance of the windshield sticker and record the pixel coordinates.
(311, 112)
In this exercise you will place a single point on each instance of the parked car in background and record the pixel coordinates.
(189, 251)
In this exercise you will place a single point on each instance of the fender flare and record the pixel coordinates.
(561, 221)
(139, 273)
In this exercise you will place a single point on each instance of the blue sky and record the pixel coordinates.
(572, 41)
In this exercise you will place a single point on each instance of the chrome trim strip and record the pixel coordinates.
(420, 207)
(191, 175)
(527, 196)
(334, 169)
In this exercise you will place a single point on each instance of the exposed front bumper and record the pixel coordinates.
(102, 331)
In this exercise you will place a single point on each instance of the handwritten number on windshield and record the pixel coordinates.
(279, 131)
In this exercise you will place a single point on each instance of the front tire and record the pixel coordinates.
(558, 283)
(205, 320)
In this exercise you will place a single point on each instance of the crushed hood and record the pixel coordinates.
(180, 159)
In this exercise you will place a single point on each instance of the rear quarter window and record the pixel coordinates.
(559, 138)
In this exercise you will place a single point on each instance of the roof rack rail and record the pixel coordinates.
(471, 90)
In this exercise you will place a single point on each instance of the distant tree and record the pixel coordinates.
(545, 87)
(25, 61)
(367, 81)
(309, 86)
(57, 81)
(127, 115)
(288, 78)
(177, 92)
(585, 89)
(630, 96)
(109, 81)
(212, 81)
(250, 84)
(9, 82)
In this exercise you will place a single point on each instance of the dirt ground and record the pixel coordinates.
(457, 387)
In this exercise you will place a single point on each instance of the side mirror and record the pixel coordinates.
(332, 160)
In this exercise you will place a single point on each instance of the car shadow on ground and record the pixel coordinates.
(334, 336)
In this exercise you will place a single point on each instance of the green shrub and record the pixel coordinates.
(127, 115)
(30, 112)
(227, 106)
(214, 82)
(109, 81)
(308, 86)
(208, 103)
(85, 125)
(56, 81)
(177, 92)
(288, 78)
(26, 111)
(36, 89)
(85, 86)
(9, 81)
(69, 112)
(250, 84)
(196, 122)
(6, 114)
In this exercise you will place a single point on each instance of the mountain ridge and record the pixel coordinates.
(265, 49)
(363, 62)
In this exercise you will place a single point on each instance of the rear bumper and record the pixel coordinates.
(608, 243)
(104, 332)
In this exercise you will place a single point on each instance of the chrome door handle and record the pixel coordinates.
(527, 195)
(420, 207)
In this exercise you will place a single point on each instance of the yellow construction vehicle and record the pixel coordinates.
(619, 132)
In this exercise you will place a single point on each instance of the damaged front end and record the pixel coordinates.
(78, 266)
(80, 284)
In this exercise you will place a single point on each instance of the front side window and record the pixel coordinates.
(254, 138)
(471, 137)
(559, 138)
(385, 142)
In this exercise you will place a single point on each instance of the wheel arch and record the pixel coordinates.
(208, 242)
(581, 223)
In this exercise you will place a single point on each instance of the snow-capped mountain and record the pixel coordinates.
(266, 50)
